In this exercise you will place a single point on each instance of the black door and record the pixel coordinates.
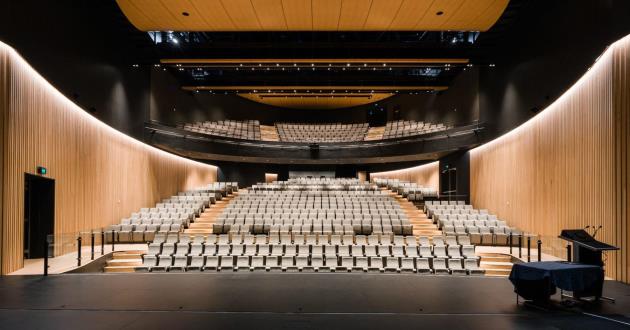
(39, 214)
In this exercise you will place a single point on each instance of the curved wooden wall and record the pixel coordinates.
(568, 166)
(101, 174)
(427, 175)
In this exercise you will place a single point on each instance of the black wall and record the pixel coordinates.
(77, 47)
(455, 175)
(171, 105)
(247, 174)
(551, 45)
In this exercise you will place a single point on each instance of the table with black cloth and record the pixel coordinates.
(538, 280)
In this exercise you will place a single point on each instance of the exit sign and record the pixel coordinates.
(42, 170)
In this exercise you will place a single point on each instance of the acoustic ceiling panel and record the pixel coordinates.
(312, 15)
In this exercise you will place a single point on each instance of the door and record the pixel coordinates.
(39, 214)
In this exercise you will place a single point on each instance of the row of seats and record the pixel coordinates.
(403, 128)
(171, 215)
(410, 190)
(249, 130)
(458, 218)
(322, 133)
(186, 249)
(299, 212)
(313, 239)
(304, 263)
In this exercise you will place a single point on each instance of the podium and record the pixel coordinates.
(586, 249)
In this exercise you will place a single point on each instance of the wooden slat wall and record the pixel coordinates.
(101, 174)
(621, 93)
(568, 166)
(427, 175)
(4, 105)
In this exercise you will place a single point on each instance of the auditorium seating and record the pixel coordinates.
(171, 215)
(177, 252)
(304, 208)
(459, 218)
(248, 130)
(403, 128)
(410, 190)
(312, 133)
(312, 225)
(309, 133)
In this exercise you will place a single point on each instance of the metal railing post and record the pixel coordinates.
(511, 242)
(539, 247)
(113, 239)
(102, 242)
(92, 246)
(529, 248)
(79, 250)
(520, 246)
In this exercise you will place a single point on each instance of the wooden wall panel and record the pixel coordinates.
(4, 105)
(427, 175)
(568, 166)
(621, 93)
(101, 174)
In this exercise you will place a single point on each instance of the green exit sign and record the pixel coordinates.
(42, 170)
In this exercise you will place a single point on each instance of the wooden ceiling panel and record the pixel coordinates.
(313, 15)
(136, 16)
(460, 18)
(447, 8)
(157, 13)
(298, 14)
(214, 14)
(267, 12)
(242, 14)
(354, 14)
(194, 20)
(410, 13)
(382, 14)
(326, 14)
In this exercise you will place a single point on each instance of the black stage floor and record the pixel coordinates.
(287, 301)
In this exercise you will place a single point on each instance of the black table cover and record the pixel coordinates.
(538, 280)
